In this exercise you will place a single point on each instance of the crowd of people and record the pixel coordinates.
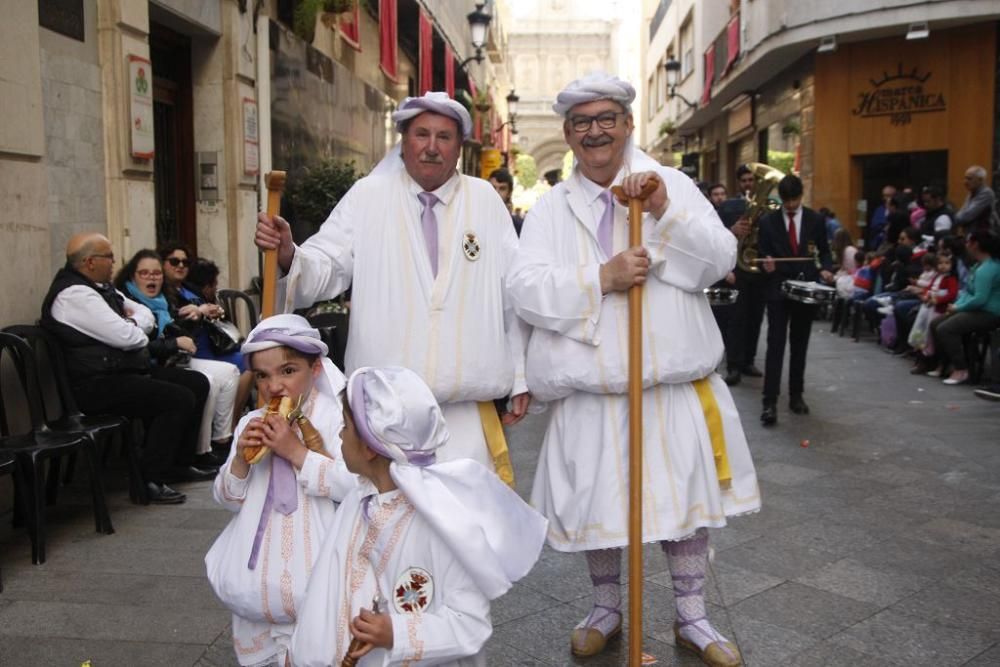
(373, 517)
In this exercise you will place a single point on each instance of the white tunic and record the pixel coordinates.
(578, 359)
(265, 601)
(439, 616)
(456, 330)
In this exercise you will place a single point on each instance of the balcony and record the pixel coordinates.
(721, 56)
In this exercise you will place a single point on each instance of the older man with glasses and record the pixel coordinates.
(570, 282)
(979, 210)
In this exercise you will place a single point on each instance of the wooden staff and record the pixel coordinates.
(275, 184)
(635, 429)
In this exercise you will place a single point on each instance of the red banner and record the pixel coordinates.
(426, 53)
(706, 93)
(449, 71)
(387, 43)
(732, 43)
(350, 28)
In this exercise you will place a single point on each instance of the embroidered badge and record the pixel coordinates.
(413, 591)
(471, 247)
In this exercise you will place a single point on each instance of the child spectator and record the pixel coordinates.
(283, 503)
(941, 292)
(433, 542)
(864, 277)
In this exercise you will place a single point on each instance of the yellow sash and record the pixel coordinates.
(713, 420)
(496, 442)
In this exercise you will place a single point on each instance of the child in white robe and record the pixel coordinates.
(432, 543)
(284, 503)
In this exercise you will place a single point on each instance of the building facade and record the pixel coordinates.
(551, 44)
(850, 95)
(151, 120)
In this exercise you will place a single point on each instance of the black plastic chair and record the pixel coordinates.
(62, 414)
(230, 300)
(8, 466)
(40, 444)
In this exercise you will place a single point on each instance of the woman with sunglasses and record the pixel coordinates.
(193, 311)
(142, 278)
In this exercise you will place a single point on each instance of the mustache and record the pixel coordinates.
(602, 140)
(432, 160)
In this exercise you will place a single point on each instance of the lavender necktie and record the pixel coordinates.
(605, 229)
(282, 496)
(430, 224)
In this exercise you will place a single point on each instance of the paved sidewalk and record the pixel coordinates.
(878, 544)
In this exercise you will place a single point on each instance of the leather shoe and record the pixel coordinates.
(733, 377)
(752, 371)
(587, 642)
(192, 474)
(209, 460)
(769, 417)
(161, 494)
(798, 406)
(716, 654)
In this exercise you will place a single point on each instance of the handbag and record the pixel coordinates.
(223, 336)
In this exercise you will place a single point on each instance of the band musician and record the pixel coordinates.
(742, 324)
(790, 231)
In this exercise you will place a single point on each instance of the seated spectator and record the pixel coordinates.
(103, 334)
(937, 220)
(865, 276)
(832, 224)
(192, 314)
(896, 271)
(935, 300)
(977, 308)
(979, 210)
(142, 279)
(845, 260)
(904, 310)
(203, 277)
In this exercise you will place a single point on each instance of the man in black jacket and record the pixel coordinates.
(103, 335)
(791, 231)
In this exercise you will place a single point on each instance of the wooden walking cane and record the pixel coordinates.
(635, 429)
(275, 181)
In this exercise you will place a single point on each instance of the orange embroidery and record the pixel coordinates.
(257, 643)
(324, 488)
(415, 642)
(265, 549)
(287, 549)
(306, 537)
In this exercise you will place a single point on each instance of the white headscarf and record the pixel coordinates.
(411, 107)
(494, 534)
(591, 87)
(294, 331)
(436, 102)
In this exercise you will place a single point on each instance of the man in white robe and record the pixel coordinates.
(431, 543)
(570, 283)
(426, 250)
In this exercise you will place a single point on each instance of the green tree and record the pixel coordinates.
(526, 171)
(314, 192)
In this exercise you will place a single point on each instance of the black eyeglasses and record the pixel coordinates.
(605, 121)
(177, 261)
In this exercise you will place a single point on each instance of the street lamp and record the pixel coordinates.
(512, 101)
(479, 22)
(673, 69)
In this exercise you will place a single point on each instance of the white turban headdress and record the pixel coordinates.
(294, 331)
(591, 87)
(436, 102)
(486, 526)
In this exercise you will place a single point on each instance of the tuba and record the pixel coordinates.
(766, 178)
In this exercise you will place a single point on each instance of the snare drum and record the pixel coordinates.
(807, 292)
(721, 296)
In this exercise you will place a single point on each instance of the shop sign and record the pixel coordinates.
(490, 160)
(899, 96)
(140, 79)
(251, 155)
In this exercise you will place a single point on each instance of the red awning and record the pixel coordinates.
(706, 93)
(388, 53)
(732, 42)
(449, 71)
(350, 28)
(426, 53)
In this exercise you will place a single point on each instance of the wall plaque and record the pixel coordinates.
(899, 96)
(62, 16)
(140, 83)
(251, 156)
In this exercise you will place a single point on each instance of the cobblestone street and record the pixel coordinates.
(878, 544)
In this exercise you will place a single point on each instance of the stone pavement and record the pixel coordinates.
(878, 544)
